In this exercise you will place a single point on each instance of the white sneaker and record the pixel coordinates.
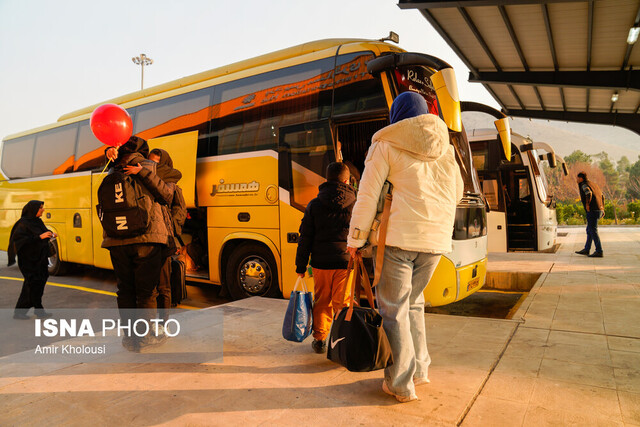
(401, 399)
(420, 381)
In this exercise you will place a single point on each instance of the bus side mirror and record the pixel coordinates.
(504, 130)
(551, 157)
(444, 82)
(564, 169)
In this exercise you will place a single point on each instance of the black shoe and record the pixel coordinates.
(21, 316)
(319, 346)
(583, 252)
(41, 314)
(596, 255)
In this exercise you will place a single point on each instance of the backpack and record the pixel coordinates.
(178, 211)
(123, 205)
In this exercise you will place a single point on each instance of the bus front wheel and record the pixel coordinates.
(252, 272)
(55, 266)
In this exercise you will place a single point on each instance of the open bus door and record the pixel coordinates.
(304, 152)
(354, 139)
(519, 201)
(182, 148)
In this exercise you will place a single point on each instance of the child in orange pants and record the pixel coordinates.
(323, 237)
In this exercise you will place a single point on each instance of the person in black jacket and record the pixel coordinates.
(137, 260)
(593, 202)
(29, 240)
(323, 236)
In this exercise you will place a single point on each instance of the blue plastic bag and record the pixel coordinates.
(298, 320)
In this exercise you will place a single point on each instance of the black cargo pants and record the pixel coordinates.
(137, 269)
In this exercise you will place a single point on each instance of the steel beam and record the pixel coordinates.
(516, 44)
(479, 38)
(625, 120)
(627, 54)
(552, 45)
(589, 35)
(621, 80)
(486, 49)
(439, 4)
(440, 30)
(514, 37)
(589, 46)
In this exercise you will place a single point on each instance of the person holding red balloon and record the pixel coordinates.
(137, 260)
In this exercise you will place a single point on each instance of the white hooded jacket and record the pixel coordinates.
(415, 156)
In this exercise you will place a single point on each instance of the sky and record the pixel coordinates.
(59, 56)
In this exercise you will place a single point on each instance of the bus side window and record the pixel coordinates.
(89, 150)
(17, 155)
(55, 151)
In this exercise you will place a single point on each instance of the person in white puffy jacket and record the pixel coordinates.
(414, 154)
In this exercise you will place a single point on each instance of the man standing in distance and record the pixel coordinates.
(593, 202)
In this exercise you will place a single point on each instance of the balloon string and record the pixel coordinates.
(105, 167)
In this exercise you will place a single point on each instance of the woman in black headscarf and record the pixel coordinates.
(30, 241)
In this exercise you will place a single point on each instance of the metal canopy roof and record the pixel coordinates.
(548, 59)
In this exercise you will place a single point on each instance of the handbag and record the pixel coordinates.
(298, 319)
(357, 339)
(378, 229)
(377, 236)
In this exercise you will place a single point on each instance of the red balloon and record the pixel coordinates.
(111, 124)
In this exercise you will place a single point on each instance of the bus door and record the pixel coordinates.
(182, 148)
(304, 152)
(518, 194)
(486, 160)
(494, 193)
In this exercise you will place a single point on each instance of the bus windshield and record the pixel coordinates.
(417, 78)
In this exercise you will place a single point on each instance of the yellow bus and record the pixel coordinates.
(252, 140)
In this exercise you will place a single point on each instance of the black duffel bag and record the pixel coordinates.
(357, 340)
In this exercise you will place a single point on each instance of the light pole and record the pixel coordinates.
(142, 60)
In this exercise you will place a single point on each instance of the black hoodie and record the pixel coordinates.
(133, 145)
(325, 227)
(25, 240)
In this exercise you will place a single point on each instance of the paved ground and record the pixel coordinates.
(570, 355)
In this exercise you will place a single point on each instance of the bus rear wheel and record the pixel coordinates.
(252, 272)
(55, 266)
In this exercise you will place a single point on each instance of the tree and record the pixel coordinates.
(577, 157)
(623, 165)
(613, 186)
(633, 187)
(601, 156)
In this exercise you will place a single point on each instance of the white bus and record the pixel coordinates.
(522, 212)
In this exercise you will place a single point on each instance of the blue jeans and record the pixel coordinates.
(405, 275)
(592, 230)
